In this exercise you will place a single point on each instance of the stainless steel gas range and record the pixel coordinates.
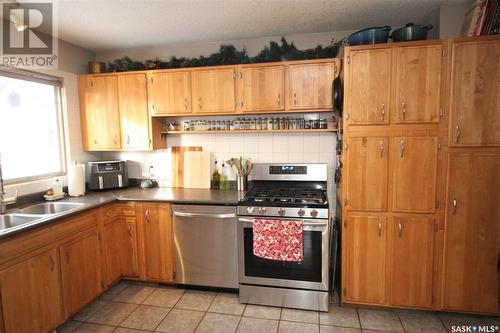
(289, 192)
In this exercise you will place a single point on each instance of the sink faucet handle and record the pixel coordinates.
(10, 200)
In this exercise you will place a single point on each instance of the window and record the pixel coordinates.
(31, 136)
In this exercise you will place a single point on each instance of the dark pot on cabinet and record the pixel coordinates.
(411, 32)
(375, 35)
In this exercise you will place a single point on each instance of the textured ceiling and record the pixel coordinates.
(110, 25)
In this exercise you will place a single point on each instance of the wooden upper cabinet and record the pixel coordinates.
(120, 247)
(134, 116)
(366, 177)
(414, 174)
(158, 242)
(418, 84)
(81, 271)
(472, 233)
(368, 88)
(412, 245)
(310, 86)
(214, 90)
(475, 94)
(262, 88)
(31, 295)
(170, 93)
(101, 123)
(365, 279)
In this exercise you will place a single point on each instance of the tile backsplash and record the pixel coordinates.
(299, 147)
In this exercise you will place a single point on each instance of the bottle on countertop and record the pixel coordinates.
(223, 178)
(216, 177)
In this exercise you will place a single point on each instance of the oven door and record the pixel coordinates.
(311, 273)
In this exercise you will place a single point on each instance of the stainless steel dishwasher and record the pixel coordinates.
(206, 245)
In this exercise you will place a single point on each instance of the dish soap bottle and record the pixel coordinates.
(223, 178)
(216, 177)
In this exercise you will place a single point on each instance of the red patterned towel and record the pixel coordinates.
(278, 240)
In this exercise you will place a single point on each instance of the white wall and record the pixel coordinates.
(451, 17)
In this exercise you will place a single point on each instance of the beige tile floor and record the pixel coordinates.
(131, 307)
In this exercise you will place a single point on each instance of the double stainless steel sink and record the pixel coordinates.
(35, 213)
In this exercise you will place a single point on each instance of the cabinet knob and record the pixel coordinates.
(457, 134)
(455, 206)
(278, 99)
(294, 99)
(400, 228)
(381, 148)
(382, 112)
(379, 226)
(402, 148)
(403, 111)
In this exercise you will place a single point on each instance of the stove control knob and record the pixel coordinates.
(262, 210)
(301, 212)
(314, 213)
(250, 210)
(281, 211)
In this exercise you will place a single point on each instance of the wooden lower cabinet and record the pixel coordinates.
(411, 244)
(364, 260)
(81, 270)
(31, 295)
(472, 233)
(158, 251)
(120, 248)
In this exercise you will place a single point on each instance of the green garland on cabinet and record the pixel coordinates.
(229, 55)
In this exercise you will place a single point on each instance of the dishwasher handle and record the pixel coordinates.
(214, 216)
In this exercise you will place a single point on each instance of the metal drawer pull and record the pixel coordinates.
(380, 229)
(400, 227)
(294, 98)
(278, 99)
(199, 102)
(403, 111)
(185, 103)
(305, 224)
(382, 112)
(457, 134)
(381, 148)
(216, 216)
(402, 148)
(455, 204)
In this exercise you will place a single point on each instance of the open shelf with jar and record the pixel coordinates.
(263, 124)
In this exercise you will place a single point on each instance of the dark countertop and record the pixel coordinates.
(97, 199)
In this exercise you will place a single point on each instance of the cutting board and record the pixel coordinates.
(196, 169)
(178, 164)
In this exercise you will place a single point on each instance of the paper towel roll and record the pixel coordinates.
(76, 180)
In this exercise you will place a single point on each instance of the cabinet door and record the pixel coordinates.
(366, 179)
(214, 90)
(101, 110)
(120, 247)
(368, 89)
(412, 248)
(472, 233)
(415, 172)
(81, 274)
(158, 242)
(170, 93)
(475, 94)
(134, 117)
(31, 295)
(365, 259)
(418, 84)
(311, 86)
(262, 88)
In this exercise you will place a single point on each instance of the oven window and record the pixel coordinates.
(307, 270)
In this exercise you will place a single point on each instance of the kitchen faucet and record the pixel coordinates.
(4, 201)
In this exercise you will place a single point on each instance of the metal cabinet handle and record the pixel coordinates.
(381, 148)
(128, 139)
(216, 216)
(347, 116)
(382, 112)
(129, 228)
(400, 227)
(114, 139)
(455, 205)
(457, 134)
(278, 99)
(185, 103)
(147, 215)
(402, 148)
(294, 99)
(95, 141)
(380, 229)
(67, 256)
(403, 111)
(199, 103)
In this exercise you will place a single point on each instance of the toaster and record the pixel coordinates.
(107, 175)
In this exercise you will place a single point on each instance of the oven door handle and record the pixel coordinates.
(305, 224)
(215, 216)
